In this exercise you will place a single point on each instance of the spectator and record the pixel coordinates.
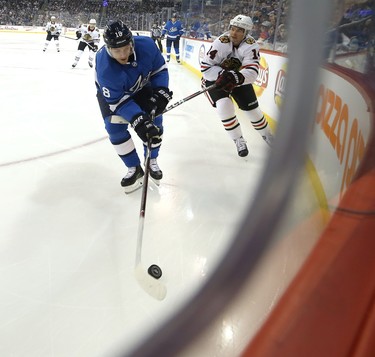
(206, 31)
(282, 38)
(264, 31)
(256, 27)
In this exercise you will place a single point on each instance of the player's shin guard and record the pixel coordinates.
(91, 58)
(260, 124)
(77, 58)
(231, 124)
(45, 46)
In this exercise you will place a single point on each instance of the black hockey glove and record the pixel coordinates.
(227, 80)
(93, 46)
(145, 129)
(159, 100)
(78, 34)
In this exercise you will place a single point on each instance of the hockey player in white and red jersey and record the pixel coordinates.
(88, 36)
(232, 63)
(53, 30)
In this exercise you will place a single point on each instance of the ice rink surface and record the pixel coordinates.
(68, 232)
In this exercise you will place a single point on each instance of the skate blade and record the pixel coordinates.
(134, 187)
(155, 181)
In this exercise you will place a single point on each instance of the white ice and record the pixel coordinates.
(69, 233)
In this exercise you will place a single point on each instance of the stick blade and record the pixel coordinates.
(152, 286)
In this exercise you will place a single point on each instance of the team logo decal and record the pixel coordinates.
(231, 64)
(224, 39)
(250, 41)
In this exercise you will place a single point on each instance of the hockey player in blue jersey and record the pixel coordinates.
(173, 30)
(132, 80)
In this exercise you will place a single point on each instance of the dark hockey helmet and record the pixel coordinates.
(116, 34)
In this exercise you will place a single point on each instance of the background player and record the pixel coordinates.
(54, 30)
(173, 30)
(89, 36)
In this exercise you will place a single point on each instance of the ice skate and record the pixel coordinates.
(155, 172)
(133, 180)
(241, 146)
(90, 64)
(74, 64)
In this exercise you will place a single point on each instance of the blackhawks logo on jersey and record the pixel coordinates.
(87, 37)
(250, 41)
(231, 64)
(224, 39)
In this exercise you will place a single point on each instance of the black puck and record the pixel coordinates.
(155, 271)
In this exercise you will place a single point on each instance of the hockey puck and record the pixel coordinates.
(155, 271)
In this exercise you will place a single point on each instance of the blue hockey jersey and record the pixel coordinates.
(119, 83)
(173, 29)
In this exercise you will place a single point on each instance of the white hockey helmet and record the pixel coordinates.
(243, 22)
(53, 18)
(92, 22)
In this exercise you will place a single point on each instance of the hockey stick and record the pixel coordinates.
(116, 119)
(76, 39)
(69, 38)
(151, 285)
(191, 96)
